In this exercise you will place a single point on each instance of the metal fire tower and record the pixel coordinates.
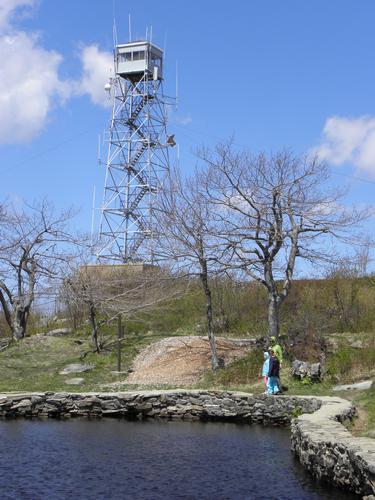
(138, 156)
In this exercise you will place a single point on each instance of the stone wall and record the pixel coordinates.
(187, 405)
(330, 452)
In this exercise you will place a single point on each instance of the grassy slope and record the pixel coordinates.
(34, 363)
(345, 365)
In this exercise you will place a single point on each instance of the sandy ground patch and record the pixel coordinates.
(180, 360)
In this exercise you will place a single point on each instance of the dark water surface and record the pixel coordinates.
(116, 459)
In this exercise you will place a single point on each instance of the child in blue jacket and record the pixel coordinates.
(265, 369)
(273, 374)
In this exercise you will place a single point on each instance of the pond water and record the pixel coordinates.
(117, 459)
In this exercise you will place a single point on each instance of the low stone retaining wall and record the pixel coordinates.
(324, 446)
(187, 405)
(329, 451)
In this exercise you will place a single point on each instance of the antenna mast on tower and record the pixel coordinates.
(138, 153)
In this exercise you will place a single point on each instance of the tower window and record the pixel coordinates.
(139, 55)
(124, 57)
(156, 61)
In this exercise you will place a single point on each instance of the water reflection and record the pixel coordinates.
(115, 459)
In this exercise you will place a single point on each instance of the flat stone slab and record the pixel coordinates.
(59, 332)
(359, 386)
(74, 381)
(76, 368)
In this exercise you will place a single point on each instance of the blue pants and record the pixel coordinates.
(273, 385)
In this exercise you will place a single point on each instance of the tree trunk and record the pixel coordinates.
(94, 328)
(273, 316)
(18, 325)
(209, 316)
(224, 321)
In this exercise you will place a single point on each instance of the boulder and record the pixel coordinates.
(76, 368)
(59, 332)
(331, 344)
(304, 370)
(74, 381)
(357, 344)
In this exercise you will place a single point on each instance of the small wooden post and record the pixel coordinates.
(120, 335)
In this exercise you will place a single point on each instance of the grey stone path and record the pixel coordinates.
(360, 386)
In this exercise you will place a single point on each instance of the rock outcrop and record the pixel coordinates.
(76, 368)
(59, 332)
(303, 370)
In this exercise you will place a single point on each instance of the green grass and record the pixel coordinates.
(369, 405)
(242, 374)
(300, 388)
(183, 314)
(366, 400)
(349, 365)
(34, 363)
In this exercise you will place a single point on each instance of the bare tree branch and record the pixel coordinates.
(34, 242)
(271, 211)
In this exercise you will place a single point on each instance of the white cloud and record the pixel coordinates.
(175, 117)
(349, 140)
(97, 69)
(8, 8)
(29, 83)
(325, 208)
(183, 119)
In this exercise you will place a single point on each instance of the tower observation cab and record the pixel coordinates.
(138, 154)
(137, 58)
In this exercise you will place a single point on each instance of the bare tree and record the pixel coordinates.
(345, 277)
(80, 293)
(272, 211)
(33, 250)
(106, 292)
(183, 224)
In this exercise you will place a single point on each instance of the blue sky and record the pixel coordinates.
(290, 73)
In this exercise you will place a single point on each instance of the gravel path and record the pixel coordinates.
(180, 360)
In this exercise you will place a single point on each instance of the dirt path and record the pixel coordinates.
(180, 360)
